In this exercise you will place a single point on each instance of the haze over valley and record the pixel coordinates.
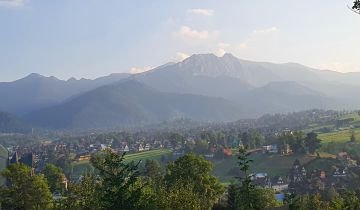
(179, 105)
(203, 87)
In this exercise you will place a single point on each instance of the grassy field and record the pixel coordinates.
(80, 167)
(324, 164)
(318, 127)
(356, 117)
(339, 136)
(339, 140)
(152, 154)
(274, 165)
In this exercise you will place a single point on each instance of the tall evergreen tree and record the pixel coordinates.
(152, 169)
(83, 195)
(246, 196)
(54, 177)
(118, 181)
(356, 6)
(246, 184)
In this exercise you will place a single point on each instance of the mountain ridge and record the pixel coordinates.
(36, 91)
(249, 89)
(130, 102)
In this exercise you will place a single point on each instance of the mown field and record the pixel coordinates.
(339, 136)
(80, 167)
(273, 165)
(152, 154)
(321, 127)
(339, 141)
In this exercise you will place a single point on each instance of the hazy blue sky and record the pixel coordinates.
(91, 38)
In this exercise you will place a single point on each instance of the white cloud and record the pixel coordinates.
(180, 56)
(257, 44)
(266, 30)
(136, 70)
(260, 35)
(12, 3)
(223, 45)
(243, 45)
(203, 12)
(187, 32)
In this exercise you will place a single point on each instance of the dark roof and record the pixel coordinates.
(27, 159)
(14, 158)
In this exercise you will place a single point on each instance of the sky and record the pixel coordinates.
(93, 38)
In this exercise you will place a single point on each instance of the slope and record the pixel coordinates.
(132, 103)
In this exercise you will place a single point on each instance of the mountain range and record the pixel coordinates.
(203, 87)
(9, 123)
(36, 91)
(132, 103)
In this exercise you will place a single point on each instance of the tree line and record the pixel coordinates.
(299, 142)
(185, 183)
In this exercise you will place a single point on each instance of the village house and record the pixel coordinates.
(147, 147)
(124, 148)
(260, 179)
(140, 148)
(210, 155)
(278, 184)
(340, 173)
(272, 149)
(85, 155)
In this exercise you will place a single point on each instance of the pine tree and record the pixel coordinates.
(246, 184)
(118, 181)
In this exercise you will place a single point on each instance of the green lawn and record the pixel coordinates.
(316, 128)
(273, 165)
(221, 168)
(324, 164)
(351, 115)
(152, 154)
(80, 167)
(277, 165)
(339, 136)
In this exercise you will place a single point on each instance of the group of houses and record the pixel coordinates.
(8, 157)
(299, 180)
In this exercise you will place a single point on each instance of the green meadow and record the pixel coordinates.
(339, 136)
(273, 165)
(80, 167)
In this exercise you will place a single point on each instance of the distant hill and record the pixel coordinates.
(132, 103)
(36, 91)
(203, 87)
(283, 97)
(233, 78)
(260, 87)
(12, 124)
